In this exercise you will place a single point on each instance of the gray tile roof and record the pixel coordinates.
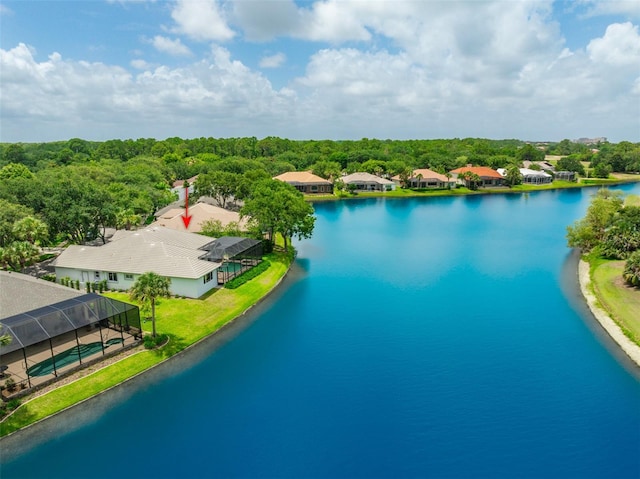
(20, 293)
(365, 177)
(164, 251)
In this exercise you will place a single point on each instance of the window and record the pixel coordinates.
(128, 277)
(96, 275)
(314, 187)
(208, 277)
(113, 276)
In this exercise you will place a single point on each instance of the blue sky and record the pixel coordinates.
(336, 69)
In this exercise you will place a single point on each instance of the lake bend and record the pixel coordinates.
(422, 337)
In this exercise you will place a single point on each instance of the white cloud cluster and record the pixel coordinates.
(201, 20)
(273, 61)
(408, 70)
(631, 8)
(172, 47)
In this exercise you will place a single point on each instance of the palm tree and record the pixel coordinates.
(31, 229)
(126, 218)
(148, 287)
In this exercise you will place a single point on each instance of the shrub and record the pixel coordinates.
(631, 272)
(247, 275)
(10, 384)
(150, 342)
(49, 277)
(267, 246)
(13, 404)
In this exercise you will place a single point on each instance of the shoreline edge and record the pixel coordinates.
(631, 349)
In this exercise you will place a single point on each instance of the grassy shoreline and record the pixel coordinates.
(419, 193)
(206, 316)
(620, 301)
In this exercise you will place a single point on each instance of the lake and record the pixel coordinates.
(426, 337)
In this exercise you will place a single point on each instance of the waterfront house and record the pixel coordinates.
(178, 255)
(54, 329)
(306, 182)
(363, 181)
(426, 178)
(530, 177)
(488, 176)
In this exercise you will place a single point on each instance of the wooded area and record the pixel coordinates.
(72, 190)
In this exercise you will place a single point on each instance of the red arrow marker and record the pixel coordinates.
(186, 219)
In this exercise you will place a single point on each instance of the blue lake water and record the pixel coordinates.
(440, 337)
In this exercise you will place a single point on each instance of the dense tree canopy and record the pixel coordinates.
(79, 187)
(610, 229)
(278, 207)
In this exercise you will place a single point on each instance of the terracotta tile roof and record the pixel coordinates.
(428, 174)
(200, 212)
(301, 177)
(481, 171)
(180, 183)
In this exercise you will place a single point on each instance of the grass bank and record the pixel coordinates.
(186, 321)
(462, 191)
(622, 302)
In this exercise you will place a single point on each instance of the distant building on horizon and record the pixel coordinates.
(591, 141)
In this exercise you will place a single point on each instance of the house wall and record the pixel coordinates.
(180, 192)
(191, 288)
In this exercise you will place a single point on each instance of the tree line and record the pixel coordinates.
(77, 188)
(611, 230)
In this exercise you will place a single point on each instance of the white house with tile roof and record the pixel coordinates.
(364, 181)
(175, 254)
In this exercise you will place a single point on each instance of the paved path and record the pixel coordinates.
(628, 346)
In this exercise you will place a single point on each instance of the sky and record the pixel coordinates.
(534, 70)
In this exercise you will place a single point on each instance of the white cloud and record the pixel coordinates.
(140, 64)
(630, 8)
(409, 70)
(266, 20)
(620, 46)
(172, 47)
(273, 61)
(93, 100)
(201, 20)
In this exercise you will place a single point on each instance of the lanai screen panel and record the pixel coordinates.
(48, 322)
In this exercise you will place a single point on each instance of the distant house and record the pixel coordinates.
(178, 187)
(488, 176)
(363, 181)
(532, 177)
(565, 175)
(200, 213)
(306, 182)
(426, 178)
(544, 165)
(178, 255)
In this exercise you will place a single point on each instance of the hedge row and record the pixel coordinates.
(248, 275)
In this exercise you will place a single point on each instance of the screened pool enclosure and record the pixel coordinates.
(55, 339)
(237, 255)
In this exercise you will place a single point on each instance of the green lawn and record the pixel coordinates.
(410, 192)
(185, 321)
(632, 200)
(620, 301)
